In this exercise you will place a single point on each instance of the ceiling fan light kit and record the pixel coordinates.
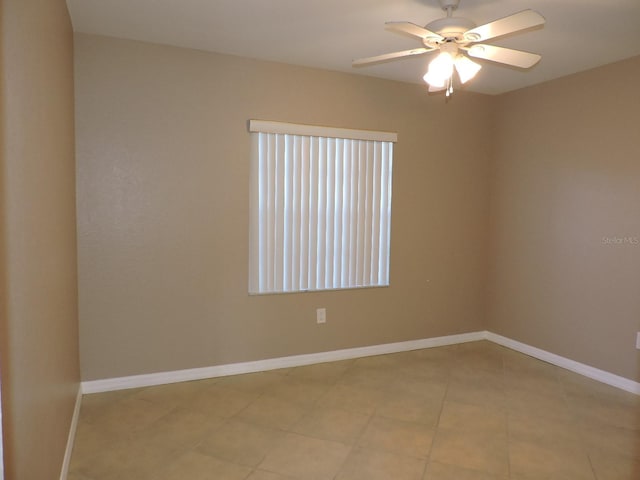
(455, 38)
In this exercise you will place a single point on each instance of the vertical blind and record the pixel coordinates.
(320, 208)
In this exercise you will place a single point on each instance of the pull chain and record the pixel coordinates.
(449, 91)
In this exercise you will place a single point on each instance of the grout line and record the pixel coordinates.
(66, 462)
(507, 411)
(450, 360)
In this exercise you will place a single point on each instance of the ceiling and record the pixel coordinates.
(329, 34)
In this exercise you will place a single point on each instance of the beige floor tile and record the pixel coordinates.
(615, 396)
(137, 458)
(329, 372)
(463, 416)
(364, 464)
(475, 411)
(299, 391)
(221, 401)
(441, 471)
(91, 440)
(264, 475)
(370, 378)
(595, 411)
(611, 440)
(282, 371)
(411, 408)
(407, 438)
(485, 452)
(543, 405)
(432, 365)
(532, 428)
(306, 458)
(408, 364)
(598, 404)
(539, 384)
(77, 476)
(334, 424)
(442, 356)
(614, 467)
(181, 428)
(272, 412)
(404, 358)
(354, 399)
(95, 405)
(130, 415)
(519, 364)
(430, 385)
(240, 442)
(470, 368)
(174, 394)
(379, 361)
(477, 387)
(196, 466)
(481, 395)
(536, 460)
(480, 356)
(478, 365)
(578, 384)
(251, 382)
(430, 370)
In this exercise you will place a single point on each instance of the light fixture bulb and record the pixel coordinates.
(440, 70)
(433, 80)
(466, 68)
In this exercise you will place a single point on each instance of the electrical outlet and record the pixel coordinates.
(321, 315)
(638, 340)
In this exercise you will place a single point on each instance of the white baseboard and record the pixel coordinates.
(136, 381)
(577, 367)
(72, 436)
(161, 378)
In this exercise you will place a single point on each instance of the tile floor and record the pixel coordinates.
(474, 411)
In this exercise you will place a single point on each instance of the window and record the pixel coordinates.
(320, 208)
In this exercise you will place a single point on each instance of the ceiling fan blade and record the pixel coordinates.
(413, 30)
(390, 56)
(503, 26)
(508, 56)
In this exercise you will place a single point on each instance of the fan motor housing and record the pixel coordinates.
(451, 27)
(453, 4)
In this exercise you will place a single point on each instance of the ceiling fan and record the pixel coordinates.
(456, 39)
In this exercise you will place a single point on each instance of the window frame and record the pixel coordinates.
(375, 143)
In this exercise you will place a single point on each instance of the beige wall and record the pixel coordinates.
(565, 178)
(39, 364)
(162, 185)
(163, 154)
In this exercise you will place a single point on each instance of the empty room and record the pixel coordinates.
(295, 240)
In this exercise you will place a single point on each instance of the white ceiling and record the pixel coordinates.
(329, 34)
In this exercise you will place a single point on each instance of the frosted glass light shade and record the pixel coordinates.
(466, 68)
(440, 70)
